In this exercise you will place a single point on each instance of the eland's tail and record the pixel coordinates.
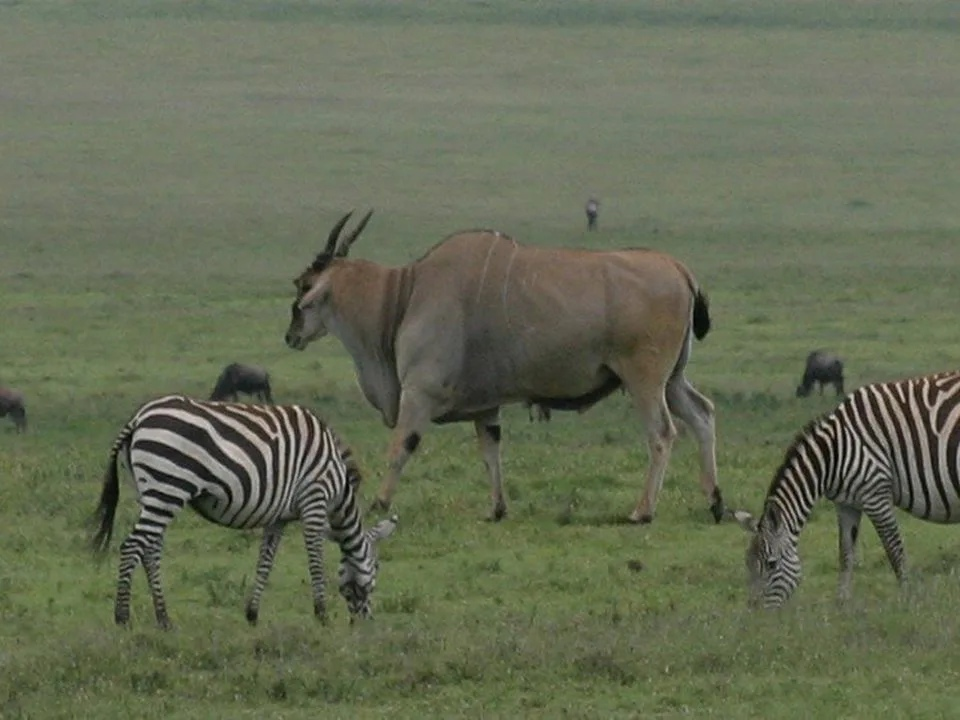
(701, 315)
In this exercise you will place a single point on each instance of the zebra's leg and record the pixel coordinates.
(268, 551)
(315, 531)
(131, 555)
(488, 438)
(144, 544)
(151, 566)
(133, 551)
(848, 525)
(882, 516)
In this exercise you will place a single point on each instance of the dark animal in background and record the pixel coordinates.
(593, 209)
(482, 321)
(538, 412)
(823, 368)
(239, 378)
(11, 403)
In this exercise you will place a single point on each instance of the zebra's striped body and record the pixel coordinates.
(240, 466)
(888, 445)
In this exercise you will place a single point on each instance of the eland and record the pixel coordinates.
(481, 321)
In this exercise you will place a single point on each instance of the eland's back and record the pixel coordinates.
(528, 322)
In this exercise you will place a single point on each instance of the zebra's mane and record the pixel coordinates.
(793, 450)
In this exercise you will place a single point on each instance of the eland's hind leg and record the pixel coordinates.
(697, 413)
(648, 397)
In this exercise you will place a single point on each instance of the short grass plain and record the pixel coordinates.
(168, 167)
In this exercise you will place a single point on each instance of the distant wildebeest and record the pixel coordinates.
(12, 404)
(481, 321)
(823, 368)
(593, 209)
(239, 378)
(540, 413)
(886, 446)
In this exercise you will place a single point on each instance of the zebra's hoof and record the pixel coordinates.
(252, 615)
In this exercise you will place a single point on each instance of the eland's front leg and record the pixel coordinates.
(413, 417)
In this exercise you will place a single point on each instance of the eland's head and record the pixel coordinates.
(773, 565)
(307, 321)
(358, 576)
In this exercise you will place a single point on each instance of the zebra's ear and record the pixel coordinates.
(745, 520)
(383, 529)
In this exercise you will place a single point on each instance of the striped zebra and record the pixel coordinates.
(241, 466)
(887, 445)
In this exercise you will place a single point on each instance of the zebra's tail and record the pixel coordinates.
(106, 511)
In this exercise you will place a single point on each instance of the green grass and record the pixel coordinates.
(168, 168)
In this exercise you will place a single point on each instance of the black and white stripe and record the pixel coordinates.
(888, 445)
(241, 466)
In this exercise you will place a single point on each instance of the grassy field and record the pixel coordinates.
(168, 168)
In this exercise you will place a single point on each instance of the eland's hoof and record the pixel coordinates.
(498, 513)
(716, 507)
(379, 505)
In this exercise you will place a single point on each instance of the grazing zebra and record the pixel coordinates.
(240, 466)
(888, 445)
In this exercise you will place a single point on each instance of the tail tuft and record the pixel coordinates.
(701, 315)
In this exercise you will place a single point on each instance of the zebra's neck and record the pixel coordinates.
(346, 528)
(808, 471)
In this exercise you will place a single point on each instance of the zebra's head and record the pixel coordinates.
(358, 576)
(773, 565)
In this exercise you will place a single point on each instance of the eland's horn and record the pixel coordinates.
(335, 233)
(343, 247)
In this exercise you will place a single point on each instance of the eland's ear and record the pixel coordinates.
(320, 288)
(383, 529)
(343, 246)
(745, 520)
